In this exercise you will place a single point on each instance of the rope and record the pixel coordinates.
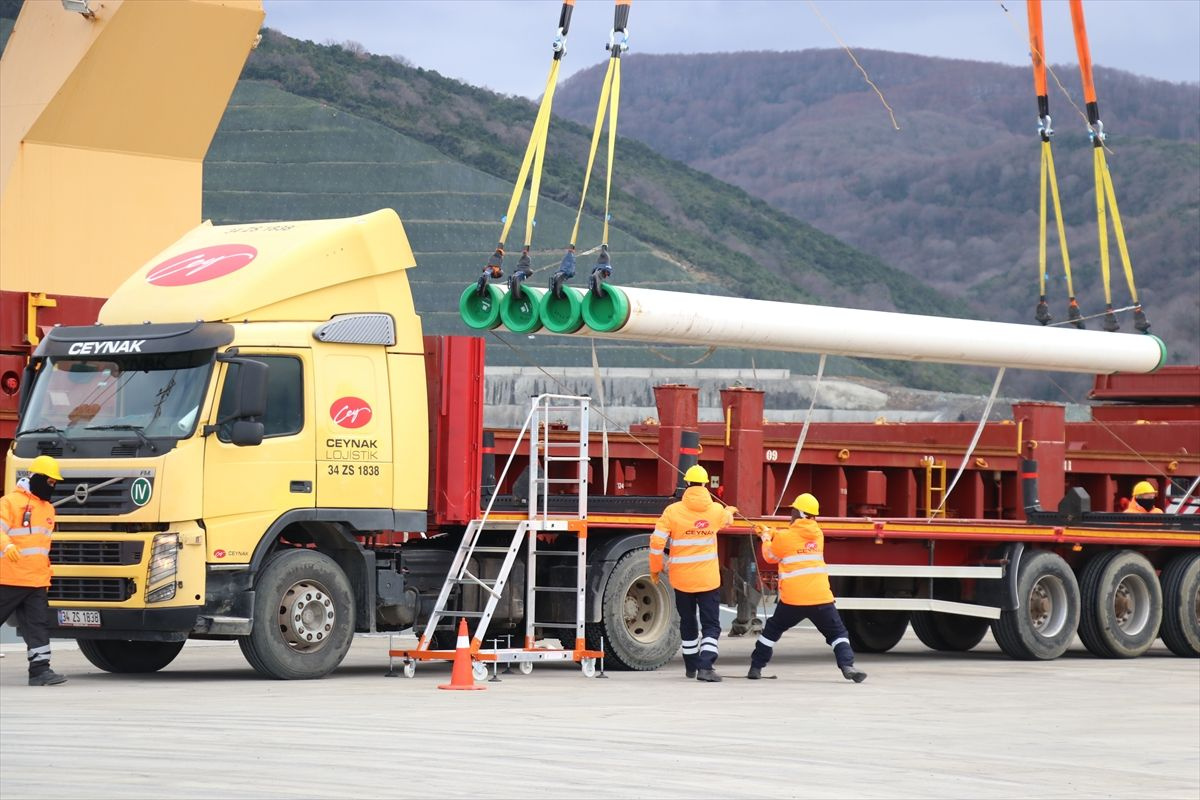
(849, 52)
(803, 435)
(1092, 316)
(987, 411)
(704, 357)
(603, 419)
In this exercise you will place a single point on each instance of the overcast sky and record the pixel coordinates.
(505, 44)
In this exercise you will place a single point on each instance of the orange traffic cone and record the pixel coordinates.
(461, 677)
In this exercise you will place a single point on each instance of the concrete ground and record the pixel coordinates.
(924, 724)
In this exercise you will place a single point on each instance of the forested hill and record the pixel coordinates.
(330, 130)
(687, 226)
(952, 197)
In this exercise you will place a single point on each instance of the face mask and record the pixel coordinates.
(39, 487)
(1146, 503)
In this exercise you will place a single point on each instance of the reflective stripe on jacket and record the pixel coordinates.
(799, 550)
(690, 528)
(31, 537)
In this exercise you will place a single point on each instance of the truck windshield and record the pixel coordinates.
(155, 395)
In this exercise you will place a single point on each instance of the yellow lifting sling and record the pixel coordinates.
(535, 153)
(1037, 50)
(610, 97)
(1105, 195)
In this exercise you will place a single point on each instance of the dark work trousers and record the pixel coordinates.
(34, 621)
(699, 643)
(824, 616)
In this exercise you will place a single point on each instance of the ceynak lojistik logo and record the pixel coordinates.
(351, 412)
(205, 264)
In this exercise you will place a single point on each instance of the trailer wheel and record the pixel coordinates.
(1122, 605)
(303, 617)
(116, 655)
(875, 631)
(1045, 624)
(1181, 610)
(637, 617)
(952, 633)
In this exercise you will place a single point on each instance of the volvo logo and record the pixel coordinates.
(81, 493)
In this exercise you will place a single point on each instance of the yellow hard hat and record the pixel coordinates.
(1144, 487)
(808, 504)
(46, 465)
(695, 474)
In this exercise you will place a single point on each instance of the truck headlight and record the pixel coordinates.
(161, 593)
(164, 562)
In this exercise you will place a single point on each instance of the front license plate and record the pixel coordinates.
(68, 618)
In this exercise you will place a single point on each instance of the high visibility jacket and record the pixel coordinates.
(1134, 508)
(690, 528)
(799, 550)
(27, 522)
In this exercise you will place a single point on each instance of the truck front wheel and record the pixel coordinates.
(303, 617)
(115, 655)
(637, 617)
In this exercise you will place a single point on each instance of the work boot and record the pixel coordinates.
(47, 678)
(689, 673)
(853, 673)
(755, 673)
(708, 676)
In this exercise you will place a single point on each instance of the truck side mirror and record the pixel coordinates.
(246, 433)
(243, 402)
(251, 389)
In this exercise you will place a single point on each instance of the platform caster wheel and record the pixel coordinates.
(526, 667)
(588, 665)
(479, 670)
(410, 669)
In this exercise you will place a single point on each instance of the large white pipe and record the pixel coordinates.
(674, 317)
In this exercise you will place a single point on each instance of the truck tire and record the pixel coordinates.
(1045, 624)
(119, 656)
(303, 617)
(637, 617)
(951, 633)
(875, 631)
(1121, 605)
(1181, 608)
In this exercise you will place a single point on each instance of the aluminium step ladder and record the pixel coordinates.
(547, 458)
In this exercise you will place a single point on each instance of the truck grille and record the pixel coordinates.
(115, 498)
(93, 590)
(116, 553)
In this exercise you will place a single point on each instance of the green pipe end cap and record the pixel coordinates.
(1162, 352)
(481, 312)
(562, 314)
(608, 312)
(521, 315)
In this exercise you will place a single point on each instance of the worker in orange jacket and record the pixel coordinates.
(804, 591)
(26, 524)
(1143, 499)
(688, 528)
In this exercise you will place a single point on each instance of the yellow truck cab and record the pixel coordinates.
(250, 383)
